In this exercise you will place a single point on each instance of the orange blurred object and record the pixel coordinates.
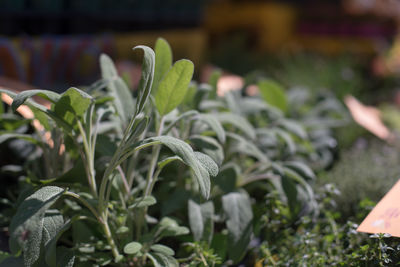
(229, 82)
(368, 117)
(385, 217)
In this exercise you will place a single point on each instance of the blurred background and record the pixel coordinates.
(347, 46)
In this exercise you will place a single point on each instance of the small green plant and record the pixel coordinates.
(173, 174)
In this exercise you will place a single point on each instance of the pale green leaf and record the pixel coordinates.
(273, 94)
(172, 89)
(201, 220)
(122, 96)
(162, 249)
(163, 58)
(132, 248)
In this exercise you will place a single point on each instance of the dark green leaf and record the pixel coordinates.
(6, 136)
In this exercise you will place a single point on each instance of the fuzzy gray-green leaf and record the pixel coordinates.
(22, 97)
(237, 208)
(123, 100)
(147, 77)
(26, 228)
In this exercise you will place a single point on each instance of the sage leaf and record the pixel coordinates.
(22, 97)
(273, 94)
(238, 122)
(172, 89)
(26, 228)
(123, 100)
(163, 62)
(71, 104)
(214, 124)
(132, 248)
(201, 220)
(237, 208)
(162, 249)
(186, 153)
(142, 202)
(147, 77)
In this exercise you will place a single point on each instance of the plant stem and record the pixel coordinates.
(89, 160)
(154, 160)
(110, 239)
(85, 203)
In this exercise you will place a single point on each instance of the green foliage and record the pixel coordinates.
(173, 87)
(273, 94)
(184, 180)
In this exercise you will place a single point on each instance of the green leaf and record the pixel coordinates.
(169, 227)
(237, 208)
(27, 226)
(172, 89)
(53, 221)
(146, 79)
(51, 250)
(122, 96)
(238, 122)
(293, 127)
(201, 220)
(132, 248)
(163, 58)
(246, 147)
(214, 124)
(28, 102)
(301, 168)
(209, 146)
(184, 115)
(12, 262)
(286, 138)
(161, 164)
(73, 103)
(273, 94)
(213, 81)
(142, 202)
(162, 260)
(162, 249)
(186, 153)
(22, 97)
(6, 136)
(227, 177)
(65, 257)
(290, 190)
(208, 163)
